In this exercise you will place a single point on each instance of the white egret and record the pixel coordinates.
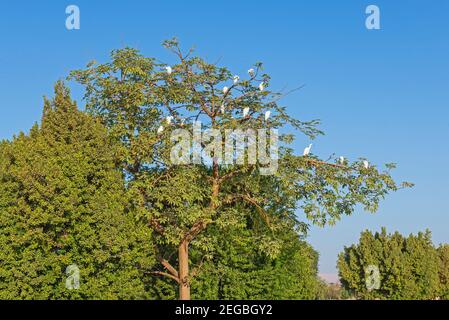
(169, 119)
(267, 115)
(366, 164)
(160, 130)
(168, 69)
(251, 72)
(245, 112)
(261, 86)
(342, 160)
(222, 108)
(225, 90)
(236, 79)
(307, 150)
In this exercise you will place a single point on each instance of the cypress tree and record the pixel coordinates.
(62, 203)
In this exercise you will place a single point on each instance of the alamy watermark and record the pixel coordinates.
(237, 146)
(73, 277)
(372, 277)
(372, 22)
(73, 21)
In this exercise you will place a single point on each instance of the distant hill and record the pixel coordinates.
(330, 277)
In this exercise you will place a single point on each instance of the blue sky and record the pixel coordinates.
(381, 94)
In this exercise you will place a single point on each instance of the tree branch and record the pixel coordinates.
(155, 225)
(247, 198)
(197, 269)
(165, 274)
(194, 230)
(168, 266)
(232, 174)
(324, 163)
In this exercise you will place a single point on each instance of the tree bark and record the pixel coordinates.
(183, 249)
(184, 281)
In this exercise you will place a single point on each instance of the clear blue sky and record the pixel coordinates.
(381, 94)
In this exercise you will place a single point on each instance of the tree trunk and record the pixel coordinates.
(184, 281)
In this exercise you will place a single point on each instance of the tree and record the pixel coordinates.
(240, 270)
(443, 254)
(62, 203)
(408, 267)
(134, 95)
(330, 291)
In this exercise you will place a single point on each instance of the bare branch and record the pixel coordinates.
(165, 274)
(168, 266)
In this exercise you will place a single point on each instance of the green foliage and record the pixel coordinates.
(134, 94)
(443, 253)
(330, 291)
(62, 202)
(99, 190)
(410, 267)
(239, 270)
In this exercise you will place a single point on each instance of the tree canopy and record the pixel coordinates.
(143, 103)
(408, 267)
(62, 203)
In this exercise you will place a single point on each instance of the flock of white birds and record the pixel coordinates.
(235, 80)
(341, 159)
(246, 110)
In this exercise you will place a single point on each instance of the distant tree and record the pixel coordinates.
(330, 291)
(62, 203)
(134, 95)
(443, 253)
(408, 267)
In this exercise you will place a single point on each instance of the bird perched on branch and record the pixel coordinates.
(307, 150)
(169, 119)
(267, 115)
(245, 112)
(168, 69)
(365, 164)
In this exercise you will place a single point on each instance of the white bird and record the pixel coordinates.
(251, 72)
(245, 112)
(222, 108)
(342, 160)
(261, 86)
(168, 69)
(225, 90)
(267, 115)
(160, 130)
(307, 150)
(236, 79)
(366, 164)
(169, 119)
